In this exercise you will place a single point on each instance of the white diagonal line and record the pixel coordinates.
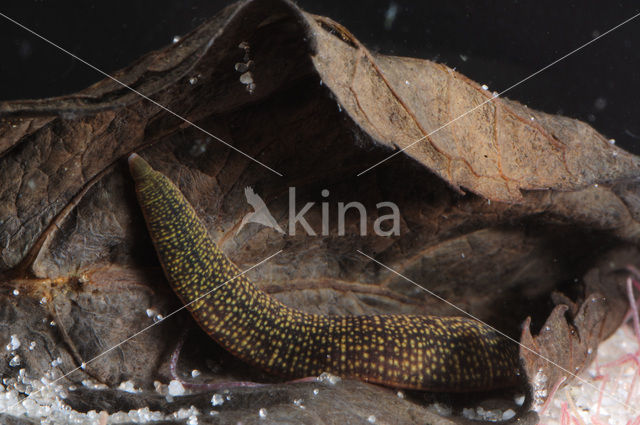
(138, 93)
(613, 397)
(83, 365)
(503, 92)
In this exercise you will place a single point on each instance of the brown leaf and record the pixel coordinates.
(494, 147)
(323, 109)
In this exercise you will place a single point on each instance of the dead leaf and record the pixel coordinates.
(547, 198)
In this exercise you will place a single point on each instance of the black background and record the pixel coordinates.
(495, 43)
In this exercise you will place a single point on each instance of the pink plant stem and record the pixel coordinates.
(634, 309)
(605, 379)
(632, 388)
(564, 415)
(626, 358)
(552, 394)
(596, 420)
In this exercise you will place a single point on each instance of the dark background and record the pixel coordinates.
(497, 43)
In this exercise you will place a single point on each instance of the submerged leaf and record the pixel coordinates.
(548, 198)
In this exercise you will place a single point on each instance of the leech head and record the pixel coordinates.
(139, 167)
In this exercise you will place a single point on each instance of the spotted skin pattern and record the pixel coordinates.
(403, 351)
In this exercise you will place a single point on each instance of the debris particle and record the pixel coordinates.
(508, 414)
(246, 78)
(600, 103)
(175, 388)
(13, 344)
(15, 361)
(217, 399)
(329, 378)
(129, 387)
(390, 15)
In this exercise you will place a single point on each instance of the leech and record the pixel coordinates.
(402, 351)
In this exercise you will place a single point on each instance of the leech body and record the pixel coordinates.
(404, 351)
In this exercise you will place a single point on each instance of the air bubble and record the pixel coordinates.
(485, 87)
(176, 38)
(16, 292)
(241, 67)
(262, 413)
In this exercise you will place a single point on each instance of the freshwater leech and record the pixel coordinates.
(404, 351)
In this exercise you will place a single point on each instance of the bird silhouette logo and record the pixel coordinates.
(260, 214)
